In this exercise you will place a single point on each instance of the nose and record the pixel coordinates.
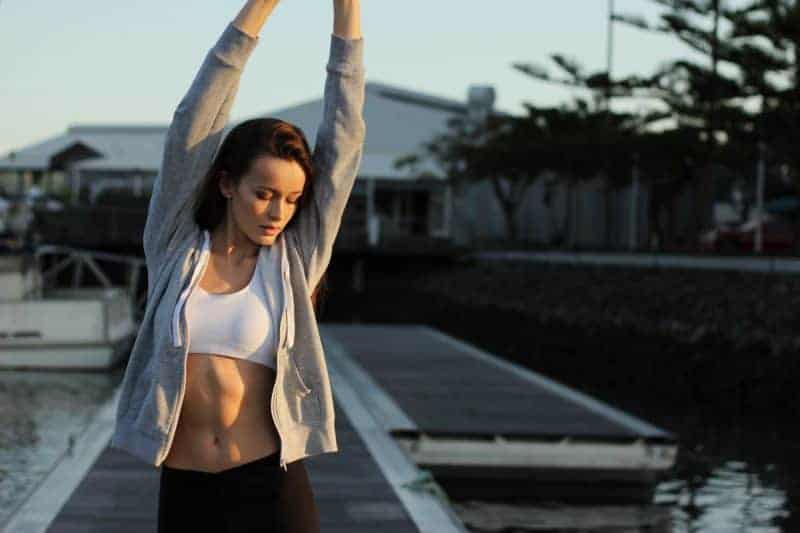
(276, 209)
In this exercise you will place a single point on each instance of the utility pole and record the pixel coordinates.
(712, 111)
(609, 51)
(608, 95)
(758, 243)
(634, 222)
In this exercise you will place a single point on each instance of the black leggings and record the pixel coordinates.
(242, 499)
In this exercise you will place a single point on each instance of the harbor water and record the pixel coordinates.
(41, 414)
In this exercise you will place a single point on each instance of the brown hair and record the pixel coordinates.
(243, 144)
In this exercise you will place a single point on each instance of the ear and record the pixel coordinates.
(224, 183)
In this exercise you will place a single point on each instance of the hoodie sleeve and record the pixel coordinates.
(337, 155)
(192, 140)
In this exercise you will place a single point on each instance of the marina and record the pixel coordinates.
(552, 287)
(393, 435)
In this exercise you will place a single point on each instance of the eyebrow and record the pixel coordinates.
(276, 190)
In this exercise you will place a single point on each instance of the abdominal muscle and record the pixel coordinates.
(225, 418)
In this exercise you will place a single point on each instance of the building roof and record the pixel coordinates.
(398, 122)
(107, 147)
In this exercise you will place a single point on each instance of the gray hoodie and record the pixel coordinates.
(177, 251)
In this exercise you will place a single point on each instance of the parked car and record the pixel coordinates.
(779, 236)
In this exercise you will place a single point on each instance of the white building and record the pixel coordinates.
(88, 159)
(405, 210)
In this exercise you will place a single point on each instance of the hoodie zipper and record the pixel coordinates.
(177, 337)
(275, 419)
(199, 270)
(282, 345)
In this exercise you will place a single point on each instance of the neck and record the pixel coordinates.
(232, 243)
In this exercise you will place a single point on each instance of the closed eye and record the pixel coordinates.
(268, 196)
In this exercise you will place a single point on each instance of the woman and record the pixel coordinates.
(226, 388)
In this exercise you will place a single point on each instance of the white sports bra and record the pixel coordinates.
(242, 324)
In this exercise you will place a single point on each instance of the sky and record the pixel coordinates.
(107, 62)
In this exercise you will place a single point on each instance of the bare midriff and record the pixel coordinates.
(225, 418)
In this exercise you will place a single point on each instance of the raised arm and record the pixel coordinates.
(347, 19)
(339, 142)
(196, 130)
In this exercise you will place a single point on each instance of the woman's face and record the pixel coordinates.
(267, 195)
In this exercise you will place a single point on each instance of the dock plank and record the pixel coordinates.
(120, 493)
(444, 390)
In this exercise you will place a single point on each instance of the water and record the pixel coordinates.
(39, 412)
(728, 478)
(732, 475)
(738, 467)
(732, 497)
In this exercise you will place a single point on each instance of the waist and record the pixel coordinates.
(225, 416)
(211, 449)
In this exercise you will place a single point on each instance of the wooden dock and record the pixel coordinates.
(489, 429)
(120, 494)
(410, 402)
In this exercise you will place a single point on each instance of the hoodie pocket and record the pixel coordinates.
(303, 402)
(305, 389)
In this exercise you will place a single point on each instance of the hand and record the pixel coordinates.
(347, 18)
(253, 15)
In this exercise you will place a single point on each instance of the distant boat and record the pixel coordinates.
(83, 328)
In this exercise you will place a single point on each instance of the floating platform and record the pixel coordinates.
(492, 429)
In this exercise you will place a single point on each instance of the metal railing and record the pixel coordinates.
(78, 259)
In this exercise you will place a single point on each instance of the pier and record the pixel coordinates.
(420, 417)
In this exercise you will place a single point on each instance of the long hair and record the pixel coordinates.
(243, 144)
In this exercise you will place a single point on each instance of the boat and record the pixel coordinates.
(60, 328)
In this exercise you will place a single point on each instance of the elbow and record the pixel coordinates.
(362, 130)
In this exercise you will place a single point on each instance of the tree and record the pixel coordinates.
(698, 104)
(602, 89)
(512, 152)
(768, 33)
(494, 150)
(760, 47)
